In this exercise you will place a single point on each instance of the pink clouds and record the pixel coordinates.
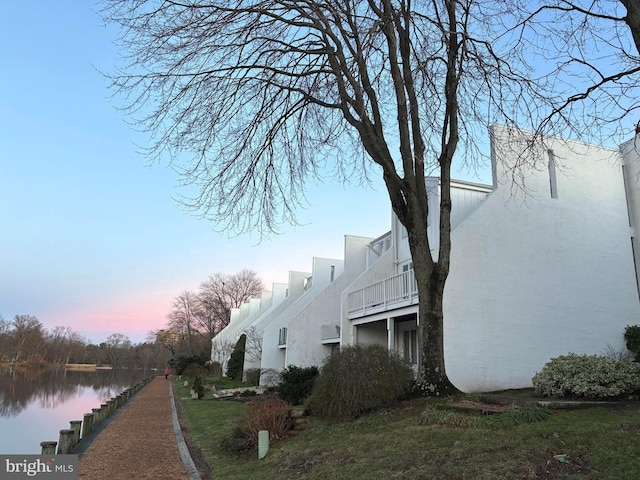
(134, 316)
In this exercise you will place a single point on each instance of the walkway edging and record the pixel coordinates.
(185, 455)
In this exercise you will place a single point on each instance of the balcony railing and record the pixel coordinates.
(330, 331)
(384, 294)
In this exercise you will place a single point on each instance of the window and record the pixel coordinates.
(282, 336)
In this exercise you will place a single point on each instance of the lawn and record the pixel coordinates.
(593, 443)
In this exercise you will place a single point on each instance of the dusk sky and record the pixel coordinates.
(91, 236)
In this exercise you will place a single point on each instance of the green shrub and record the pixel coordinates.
(359, 379)
(237, 441)
(181, 361)
(236, 361)
(252, 376)
(632, 339)
(297, 383)
(198, 387)
(587, 376)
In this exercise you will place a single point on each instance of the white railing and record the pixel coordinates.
(382, 294)
(330, 331)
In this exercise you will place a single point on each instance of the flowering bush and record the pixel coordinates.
(587, 376)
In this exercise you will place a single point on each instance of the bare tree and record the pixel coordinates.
(169, 338)
(266, 95)
(117, 344)
(632, 19)
(221, 350)
(253, 347)
(5, 340)
(63, 343)
(589, 50)
(184, 318)
(221, 293)
(28, 337)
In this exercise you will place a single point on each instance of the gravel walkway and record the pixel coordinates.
(142, 441)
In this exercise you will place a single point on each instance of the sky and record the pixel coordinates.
(91, 236)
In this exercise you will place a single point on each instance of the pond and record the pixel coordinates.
(35, 404)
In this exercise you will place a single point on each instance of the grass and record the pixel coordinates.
(599, 444)
(225, 382)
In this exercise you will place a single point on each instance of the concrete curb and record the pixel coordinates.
(182, 445)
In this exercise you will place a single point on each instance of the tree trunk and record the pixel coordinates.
(632, 19)
(432, 377)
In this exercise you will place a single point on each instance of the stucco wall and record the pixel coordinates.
(631, 160)
(272, 356)
(304, 345)
(276, 358)
(533, 277)
(252, 357)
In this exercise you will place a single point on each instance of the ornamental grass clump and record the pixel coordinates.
(269, 413)
(588, 377)
(448, 418)
(511, 418)
(517, 416)
(359, 379)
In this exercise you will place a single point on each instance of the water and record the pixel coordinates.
(35, 404)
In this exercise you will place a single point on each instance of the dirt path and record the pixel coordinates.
(139, 442)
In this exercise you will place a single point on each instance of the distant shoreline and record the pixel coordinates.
(89, 367)
(85, 366)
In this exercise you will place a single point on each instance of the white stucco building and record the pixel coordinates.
(542, 264)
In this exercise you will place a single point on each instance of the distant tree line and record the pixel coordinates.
(194, 319)
(25, 341)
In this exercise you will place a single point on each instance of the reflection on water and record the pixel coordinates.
(35, 404)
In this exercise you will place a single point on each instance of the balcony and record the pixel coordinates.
(330, 332)
(395, 292)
